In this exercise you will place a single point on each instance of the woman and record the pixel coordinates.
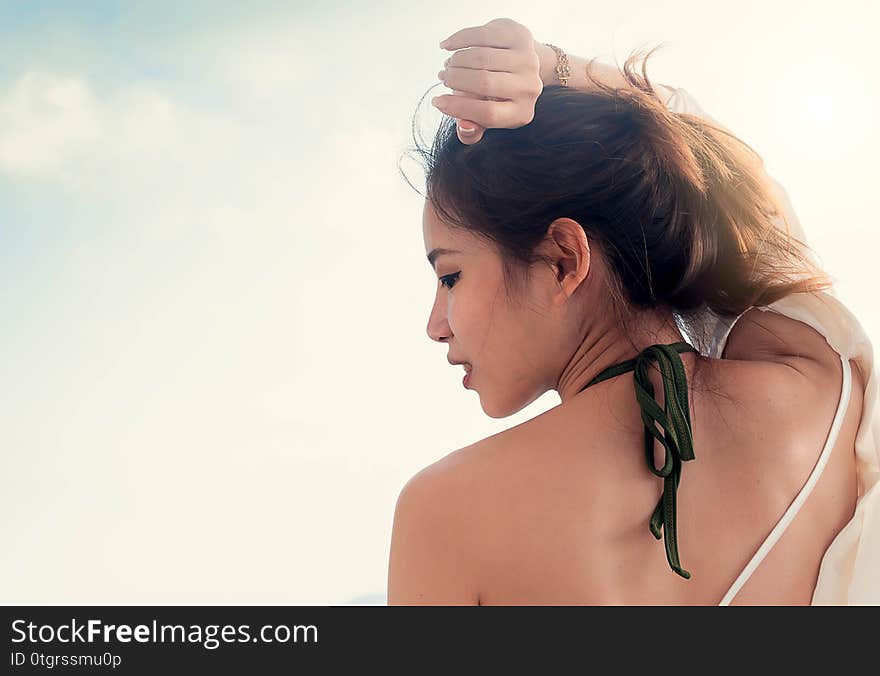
(588, 226)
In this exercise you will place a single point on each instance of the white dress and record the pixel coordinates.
(850, 570)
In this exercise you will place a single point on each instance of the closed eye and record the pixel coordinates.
(449, 280)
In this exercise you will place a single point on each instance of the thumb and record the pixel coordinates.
(469, 132)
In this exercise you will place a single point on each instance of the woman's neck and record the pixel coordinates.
(609, 344)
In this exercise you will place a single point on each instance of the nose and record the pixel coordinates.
(438, 326)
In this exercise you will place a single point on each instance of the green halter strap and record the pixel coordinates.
(675, 421)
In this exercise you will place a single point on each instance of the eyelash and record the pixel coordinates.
(444, 281)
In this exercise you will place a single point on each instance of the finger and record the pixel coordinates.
(480, 36)
(497, 85)
(501, 33)
(486, 58)
(458, 92)
(488, 114)
(469, 132)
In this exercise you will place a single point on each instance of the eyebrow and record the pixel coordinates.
(439, 251)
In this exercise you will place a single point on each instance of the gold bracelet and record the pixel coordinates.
(563, 71)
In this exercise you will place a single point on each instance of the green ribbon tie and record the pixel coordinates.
(675, 422)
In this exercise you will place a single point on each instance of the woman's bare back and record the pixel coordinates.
(562, 513)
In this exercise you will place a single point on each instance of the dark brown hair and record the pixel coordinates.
(681, 209)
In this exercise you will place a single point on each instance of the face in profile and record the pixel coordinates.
(514, 351)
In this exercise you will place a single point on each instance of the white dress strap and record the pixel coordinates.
(804, 493)
(721, 331)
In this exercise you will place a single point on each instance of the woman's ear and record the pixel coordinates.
(568, 249)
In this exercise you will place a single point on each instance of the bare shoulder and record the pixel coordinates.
(769, 336)
(453, 475)
(434, 546)
(794, 378)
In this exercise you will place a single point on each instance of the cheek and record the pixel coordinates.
(465, 317)
(497, 340)
(473, 315)
(524, 339)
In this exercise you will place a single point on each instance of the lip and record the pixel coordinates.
(467, 370)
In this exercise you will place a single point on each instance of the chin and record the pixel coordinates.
(502, 409)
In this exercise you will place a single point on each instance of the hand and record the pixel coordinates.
(495, 75)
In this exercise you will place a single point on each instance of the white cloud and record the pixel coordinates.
(46, 123)
(55, 127)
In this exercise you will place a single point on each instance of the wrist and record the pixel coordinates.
(547, 59)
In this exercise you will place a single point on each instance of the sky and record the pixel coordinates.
(213, 286)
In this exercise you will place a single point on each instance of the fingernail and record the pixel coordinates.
(444, 43)
(467, 130)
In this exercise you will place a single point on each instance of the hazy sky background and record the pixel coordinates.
(213, 286)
